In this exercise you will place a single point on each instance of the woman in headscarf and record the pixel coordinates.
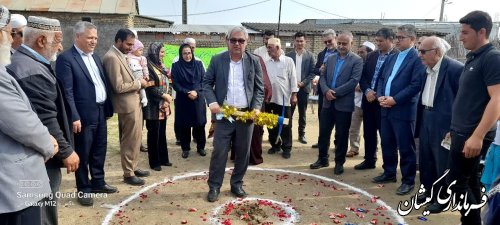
(190, 109)
(158, 108)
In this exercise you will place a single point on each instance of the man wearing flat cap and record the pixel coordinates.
(31, 68)
(25, 145)
(17, 22)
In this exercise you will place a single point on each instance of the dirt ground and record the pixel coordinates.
(315, 199)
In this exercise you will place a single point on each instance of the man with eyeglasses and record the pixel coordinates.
(398, 87)
(234, 78)
(434, 114)
(370, 105)
(338, 81)
(330, 40)
(17, 22)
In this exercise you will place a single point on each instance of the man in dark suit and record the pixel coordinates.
(304, 67)
(89, 99)
(330, 40)
(398, 88)
(434, 112)
(245, 73)
(370, 105)
(338, 82)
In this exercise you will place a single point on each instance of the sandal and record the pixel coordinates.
(351, 153)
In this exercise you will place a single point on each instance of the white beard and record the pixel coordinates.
(53, 58)
(5, 50)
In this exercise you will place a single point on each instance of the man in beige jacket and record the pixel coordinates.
(126, 102)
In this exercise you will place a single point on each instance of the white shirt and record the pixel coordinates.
(95, 74)
(283, 79)
(497, 137)
(298, 65)
(430, 84)
(357, 98)
(236, 95)
(262, 52)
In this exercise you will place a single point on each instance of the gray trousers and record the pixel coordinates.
(226, 133)
(357, 119)
(49, 213)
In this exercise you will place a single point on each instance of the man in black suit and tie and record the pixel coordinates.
(438, 93)
(89, 100)
(229, 75)
(338, 81)
(370, 105)
(304, 67)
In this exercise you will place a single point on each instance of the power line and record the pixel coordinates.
(212, 12)
(308, 6)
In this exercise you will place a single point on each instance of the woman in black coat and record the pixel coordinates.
(190, 109)
(158, 109)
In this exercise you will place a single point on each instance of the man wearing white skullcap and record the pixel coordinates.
(31, 68)
(17, 22)
(25, 145)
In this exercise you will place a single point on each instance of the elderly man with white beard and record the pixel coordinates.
(25, 145)
(31, 68)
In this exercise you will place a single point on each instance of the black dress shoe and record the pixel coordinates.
(339, 169)
(85, 201)
(422, 198)
(286, 154)
(156, 168)
(143, 148)
(185, 154)
(202, 152)
(239, 192)
(133, 180)
(213, 195)
(166, 164)
(141, 173)
(404, 189)
(384, 179)
(320, 163)
(302, 140)
(315, 145)
(364, 166)
(105, 189)
(273, 150)
(435, 207)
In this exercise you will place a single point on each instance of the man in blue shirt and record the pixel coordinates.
(338, 81)
(398, 87)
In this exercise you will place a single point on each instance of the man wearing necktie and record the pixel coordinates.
(88, 95)
(398, 87)
(338, 82)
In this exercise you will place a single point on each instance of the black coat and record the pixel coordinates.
(154, 94)
(43, 89)
(189, 113)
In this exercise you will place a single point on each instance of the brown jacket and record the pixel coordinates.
(125, 87)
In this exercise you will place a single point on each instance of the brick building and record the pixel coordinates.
(108, 15)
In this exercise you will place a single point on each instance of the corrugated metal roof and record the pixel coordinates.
(356, 28)
(189, 28)
(75, 6)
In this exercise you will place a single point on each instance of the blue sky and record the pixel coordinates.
(294, 11)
